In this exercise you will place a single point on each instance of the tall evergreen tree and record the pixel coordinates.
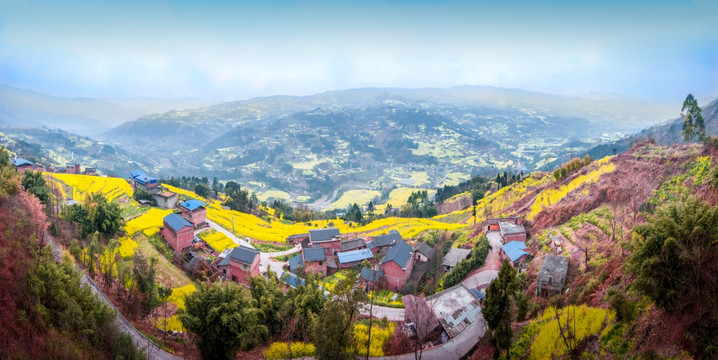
(498, 305)
(693, 123)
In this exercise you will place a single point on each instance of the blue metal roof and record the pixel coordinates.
(354, 255)
(400, 253)
(21, 162)
(193, 204)
(291, 279)
(514, 250)
(142, 178)
(176, 222)
(296, 263)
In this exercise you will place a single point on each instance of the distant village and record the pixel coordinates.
(392, 260)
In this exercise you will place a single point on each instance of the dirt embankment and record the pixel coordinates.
(454, 204)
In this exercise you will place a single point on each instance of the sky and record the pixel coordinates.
(232, 50)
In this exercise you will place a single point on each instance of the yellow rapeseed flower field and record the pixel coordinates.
(585, 320)
(149, 222)
(217, 240)
(84, 185)
(549, 197)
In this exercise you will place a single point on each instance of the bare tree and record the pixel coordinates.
(421, 313)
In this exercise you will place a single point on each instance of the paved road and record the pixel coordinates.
(276, 266)
(380, 312)
(152, 350)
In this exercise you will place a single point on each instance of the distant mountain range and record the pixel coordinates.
(85, 116)
(373, 138)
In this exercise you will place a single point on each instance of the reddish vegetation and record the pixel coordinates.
(22, 334)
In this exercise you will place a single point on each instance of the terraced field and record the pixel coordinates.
(84, 185)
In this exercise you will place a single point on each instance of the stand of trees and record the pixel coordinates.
(673, 257)
(419, 205)
(464, 267)
(477, 182)
(239, 199)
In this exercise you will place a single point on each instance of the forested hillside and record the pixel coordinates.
(46, 313)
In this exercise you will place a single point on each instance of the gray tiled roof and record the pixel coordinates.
(425, 249)
(314, 254)
(352, 244)
(319, 235)
(400, 253)
(554, 266)
(242, 254)
(454, 256)
(371, 275)
(387, 239)
(511, 228)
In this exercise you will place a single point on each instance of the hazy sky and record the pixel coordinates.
(224, 50)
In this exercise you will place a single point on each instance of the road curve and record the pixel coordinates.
(152, 350)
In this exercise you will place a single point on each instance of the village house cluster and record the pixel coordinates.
(21, 165)
(392, 260)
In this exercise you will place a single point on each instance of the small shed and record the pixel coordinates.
(453, 257)
(552, 276)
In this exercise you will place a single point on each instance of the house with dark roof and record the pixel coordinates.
(453, 257)
(511, 231)
(514, 251)
(397, 265)
(195, 212)
(352, 244)
(71, 168)
(327, 238)
(314, 260)
(165, 199)
(349, 259)
(552, 275)
(240, 265)
(299, 239)
(90, 171)
(423, 252)
(177, 231)
(22, 165)
(369, 276)
(384, 241)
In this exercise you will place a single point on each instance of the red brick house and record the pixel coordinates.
(397, 265)
(240, 265)
(71, 168)
(492, 224)
(22, 165)
(511, 231)
(177, 231)
(327, 238)
(315, 260)
(195, 212)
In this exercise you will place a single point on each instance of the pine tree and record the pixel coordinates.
(693, 123)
